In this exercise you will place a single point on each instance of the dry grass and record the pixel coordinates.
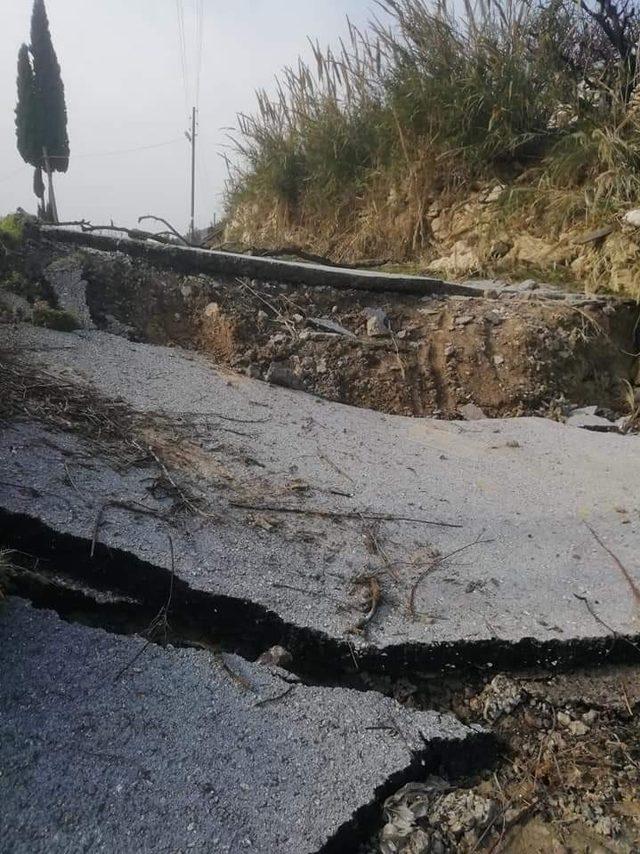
(34, 394)
(423, 104)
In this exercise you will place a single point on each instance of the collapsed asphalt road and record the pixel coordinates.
(262, 516)
(476, 533)
(105, 748)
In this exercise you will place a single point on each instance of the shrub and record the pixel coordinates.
(54, 318)
(436, 96)
(11, 228)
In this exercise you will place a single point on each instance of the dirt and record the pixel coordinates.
(509, 354)
(566, 782)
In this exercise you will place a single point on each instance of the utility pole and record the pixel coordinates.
(192, 139)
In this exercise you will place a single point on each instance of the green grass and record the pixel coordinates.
(54, 318)
(11, 228)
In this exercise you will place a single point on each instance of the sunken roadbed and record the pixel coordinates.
(387, 538)
(108, 746)
(183, 520)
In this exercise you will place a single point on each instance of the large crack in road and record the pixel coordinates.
(218, 530)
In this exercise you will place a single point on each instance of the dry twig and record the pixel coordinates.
(339, 514)
(627, 575)
(434, 565)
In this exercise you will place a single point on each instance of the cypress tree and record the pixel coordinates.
(26, 117)
(49, 91)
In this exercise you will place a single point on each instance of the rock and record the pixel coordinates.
(537, 252)
(500, 697)
(494, 317)
(463, 320)
(297, 319)
(424, 818)
(378, 323)
(277, 656)
(594, 236)
(461, 259)
(587, 419)
(564, 719)
(632, 218)
(493, 196)
(253, 371)
(70, 289)
(321, 366)
(212, 311)
(279, 373)
(325, 324)
(498, 360)
(471, 412)
(261, 316)
(578, 728)
(16, 306)
(590, 717)
(117, 327)
(527, 285)
(499, 249)
(586, 411)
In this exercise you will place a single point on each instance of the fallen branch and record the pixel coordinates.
(627, 575)
(160, 620)
(434, 565)
(196, 415)
(614, 634)
(375, 597)
(275, 699)
(285, 321)
(133, 233)
(184, 498)
(133, 506)
(339, 514)
(168, 225)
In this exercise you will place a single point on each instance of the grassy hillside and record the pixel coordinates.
(489, 141)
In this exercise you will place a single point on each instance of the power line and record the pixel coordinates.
(183, 50)
(199, 45)
(115, 153)
(97, 154)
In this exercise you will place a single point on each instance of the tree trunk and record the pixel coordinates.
(51, 205)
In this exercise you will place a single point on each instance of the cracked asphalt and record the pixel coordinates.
(522, 488)
(110, 745)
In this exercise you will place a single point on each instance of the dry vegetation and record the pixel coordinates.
(377, 150)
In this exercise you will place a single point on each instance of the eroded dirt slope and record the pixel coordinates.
(507, 353)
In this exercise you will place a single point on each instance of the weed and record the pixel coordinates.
(11, 228)
(53, 318)
(432, 100)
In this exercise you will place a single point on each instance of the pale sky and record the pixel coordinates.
(122, 72)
